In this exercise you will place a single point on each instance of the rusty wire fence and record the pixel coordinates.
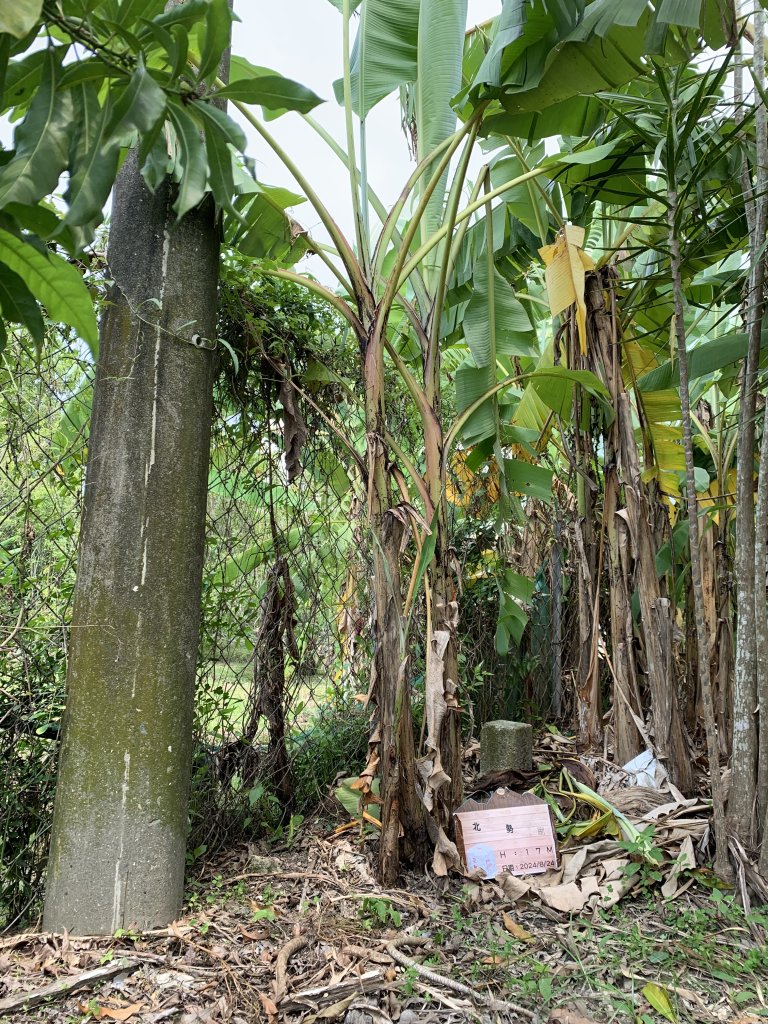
(286, 627)
(286, 630)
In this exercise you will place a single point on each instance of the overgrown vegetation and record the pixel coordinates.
(511, 461)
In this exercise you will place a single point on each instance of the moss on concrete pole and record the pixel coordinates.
(120, 822)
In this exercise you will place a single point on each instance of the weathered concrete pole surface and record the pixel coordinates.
(120, 821)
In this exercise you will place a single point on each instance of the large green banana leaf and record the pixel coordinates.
(442, 24)
(396, 39)
(547, 59)
(707, 357)
(385, 52)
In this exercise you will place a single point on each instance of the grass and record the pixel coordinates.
(224, 695)
(643, 961)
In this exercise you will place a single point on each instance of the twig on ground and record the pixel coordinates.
(331, 994)
(452, 1003)
(65, 986)
(497, 1005)
(408, 901)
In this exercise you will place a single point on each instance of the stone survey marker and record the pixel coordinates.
(505, 745)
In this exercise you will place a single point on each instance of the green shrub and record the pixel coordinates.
(336, 740)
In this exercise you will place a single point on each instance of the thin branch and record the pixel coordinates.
(354, 182)
(320, 251)
(436, 314)
(373, 199)
(343, 247)
(447, 148)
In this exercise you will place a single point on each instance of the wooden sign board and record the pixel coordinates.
(510, 832)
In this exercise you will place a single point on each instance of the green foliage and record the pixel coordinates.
(141, 75)
(706, 358)
(52, 280)
(267, 89)
(647, 859)
(20, 18)
(547, 61)
(385, 52)
(335, 741)
(440, 44)
(514, 334)
(40, 496)
(41, 140)
(378, 912)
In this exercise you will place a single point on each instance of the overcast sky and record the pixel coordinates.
(302, 39)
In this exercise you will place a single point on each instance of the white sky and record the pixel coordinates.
(302, 40)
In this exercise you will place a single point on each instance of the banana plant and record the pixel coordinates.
(432, 276)
(677, 301)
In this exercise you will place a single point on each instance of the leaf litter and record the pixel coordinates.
(630, 927)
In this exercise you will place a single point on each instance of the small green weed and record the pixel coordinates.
(410, 977)
(646, 859)
(378, 912)
(214, 891)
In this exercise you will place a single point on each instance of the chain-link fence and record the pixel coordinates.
(285, 626)
(286, 637)
(44, 406)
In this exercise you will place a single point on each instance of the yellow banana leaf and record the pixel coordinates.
(605, 822)
(566, 263)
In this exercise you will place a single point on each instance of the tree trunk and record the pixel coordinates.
(388, 666)
(120, 821)
(707, 536)
(445, 610)
(556, 591)
(627, 741)
(272, 641)
(700, 609)
(761, 512)
(391, 752)
(742, 799)
(667, 727)
(588, 710)
(605, 360)
(444, 783)
(588, 685)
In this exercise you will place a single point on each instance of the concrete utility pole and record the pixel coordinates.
(120, 822)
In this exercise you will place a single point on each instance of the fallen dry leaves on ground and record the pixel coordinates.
(306, 935)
